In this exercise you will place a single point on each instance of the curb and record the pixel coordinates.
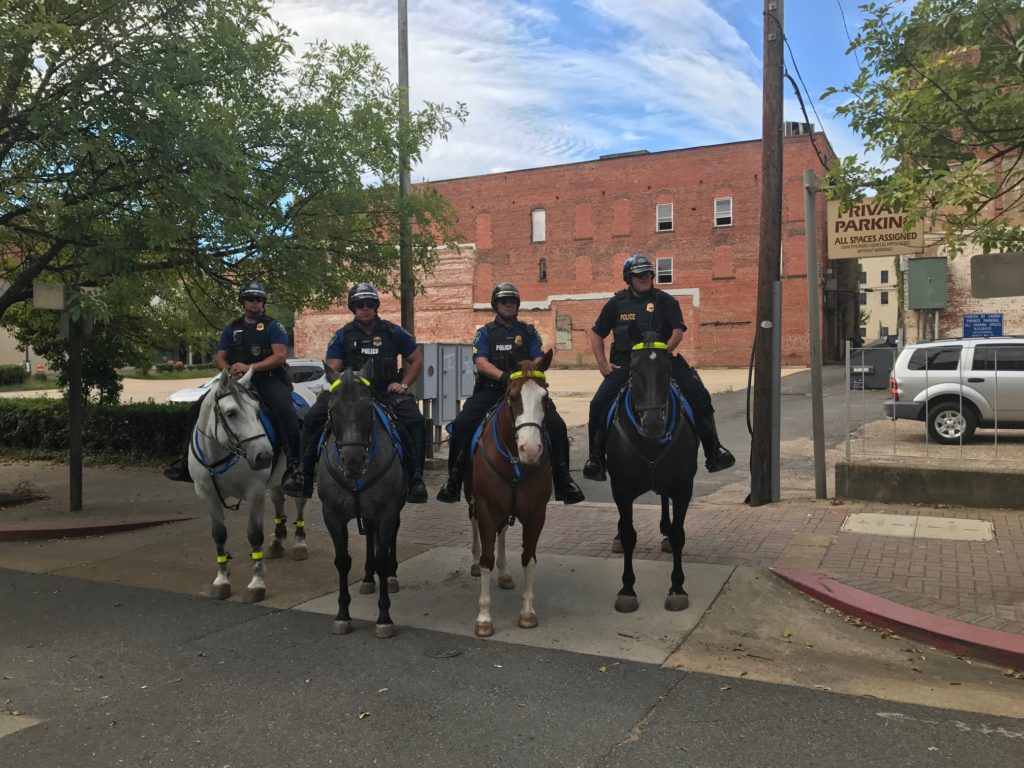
(59, 529)
(993, 645)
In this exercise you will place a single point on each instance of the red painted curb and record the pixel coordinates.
(61, 529)
(1003, 648)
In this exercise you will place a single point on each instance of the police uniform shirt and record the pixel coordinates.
(278, 335)
(667, 316)
(404, 343)
(482, 346)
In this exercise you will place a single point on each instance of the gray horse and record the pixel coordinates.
(231, 456)
(361, 476)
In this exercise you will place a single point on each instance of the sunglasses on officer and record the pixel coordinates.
(507, 300)
(364, 305)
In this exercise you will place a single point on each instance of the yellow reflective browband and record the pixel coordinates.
(652, 345)
(336, 382)
(528, 374)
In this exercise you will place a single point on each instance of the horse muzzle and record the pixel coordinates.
(654, 422)
(262, 460)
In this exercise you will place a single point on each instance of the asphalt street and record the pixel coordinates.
(126, 676)
(731, 419)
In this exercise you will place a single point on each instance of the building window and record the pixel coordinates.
(723, 211)
(664, 270)
(885, 278)
(862, 278)
(883, 331)
(537, 221)
(862, 298)
(883, 297)
(664, 216)
(542, 270)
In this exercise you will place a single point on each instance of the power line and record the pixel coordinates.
(847, 29)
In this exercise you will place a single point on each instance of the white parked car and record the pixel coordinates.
(307, 374)
(958, 385)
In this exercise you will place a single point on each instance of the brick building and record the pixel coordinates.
(561, 234)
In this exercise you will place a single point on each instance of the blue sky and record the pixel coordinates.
(568, 80)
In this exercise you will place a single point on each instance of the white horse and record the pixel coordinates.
(231, 457)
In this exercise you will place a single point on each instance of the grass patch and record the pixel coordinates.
(184, 373)
(29, 386)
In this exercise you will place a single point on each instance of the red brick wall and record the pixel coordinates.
(599, 212)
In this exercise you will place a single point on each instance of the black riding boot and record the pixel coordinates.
(566, 489)
(414, 436)
(594, 468)
(450, 492)
(300, 481)
(178, 470)
(717, 456)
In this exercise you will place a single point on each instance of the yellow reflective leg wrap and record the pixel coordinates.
(256, 555)
(280, 520)
(222, 559)
(300, 523)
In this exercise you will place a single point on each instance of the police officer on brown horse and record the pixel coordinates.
(368, 338)
(652, 310)
(497, 347)
(259, 342)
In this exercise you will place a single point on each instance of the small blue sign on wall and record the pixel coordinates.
(983, 324)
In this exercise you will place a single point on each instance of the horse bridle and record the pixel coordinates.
(236, 444)
(365, 445)
(642, 409)
(508, 398)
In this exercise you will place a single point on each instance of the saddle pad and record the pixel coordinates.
(623, 397)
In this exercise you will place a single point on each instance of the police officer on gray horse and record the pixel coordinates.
(369, 338)
(652, 310)
(497, 347)
(257, 341)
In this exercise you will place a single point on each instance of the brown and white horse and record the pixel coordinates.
(510, 480)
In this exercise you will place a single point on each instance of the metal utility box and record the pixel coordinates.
(425, 386)
(871, 367)
(467, 376)
(926, 283)
(449, 382)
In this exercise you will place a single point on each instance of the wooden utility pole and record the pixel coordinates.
(408, 281)
(763, 475)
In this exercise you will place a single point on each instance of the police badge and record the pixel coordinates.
(377, 341)
(650, 306)
(260, 327)
(519, 341)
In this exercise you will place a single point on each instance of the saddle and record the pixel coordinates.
(301, 408)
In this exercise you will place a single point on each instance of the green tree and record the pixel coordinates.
(939, 97)
(167, 149)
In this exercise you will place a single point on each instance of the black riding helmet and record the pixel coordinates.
(637, 264)
(504, 291)
(253, 289)
(362, 292)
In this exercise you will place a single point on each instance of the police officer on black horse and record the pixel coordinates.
(257, 341)
(650, 309)
(369, 338)
(497, 347)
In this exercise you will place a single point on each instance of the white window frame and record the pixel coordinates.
(538, 225)
(659, 270)
(660, 218)
(723, 223)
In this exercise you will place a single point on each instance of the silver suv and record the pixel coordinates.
(958, 385)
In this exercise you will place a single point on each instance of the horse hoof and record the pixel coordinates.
(300, 552)
(484, 629)
(254, 595)
(273, 550)
(666, 545)
(528, 622)
(626, 603)
(617, 547)
(367, 587)
(393, 585)
(385, 631)
(220, 591)
(677, 603)
(505, 582)
(341, 628)
(474, 570)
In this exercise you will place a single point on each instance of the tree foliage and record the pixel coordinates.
(164, 150)
(939, 98)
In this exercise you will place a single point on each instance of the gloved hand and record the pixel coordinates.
(504, 378)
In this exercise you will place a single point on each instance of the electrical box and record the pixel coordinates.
(927, 281)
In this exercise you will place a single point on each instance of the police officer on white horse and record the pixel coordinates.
(259, 342)
(497, 347)
(652, 310)
(369, 338)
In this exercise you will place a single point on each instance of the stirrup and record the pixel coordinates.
(450, 492)
(417, 493)
(721, 458)
(594, 469)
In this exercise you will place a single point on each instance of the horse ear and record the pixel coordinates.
(366, 372)
(246, 379)
(634, 332)
(546, 360)
(330, 373)
(224, 378)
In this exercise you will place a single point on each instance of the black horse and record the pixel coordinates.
(361, 475)
(651, 446)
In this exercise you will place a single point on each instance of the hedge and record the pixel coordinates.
(131, 432)
(12, 374)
